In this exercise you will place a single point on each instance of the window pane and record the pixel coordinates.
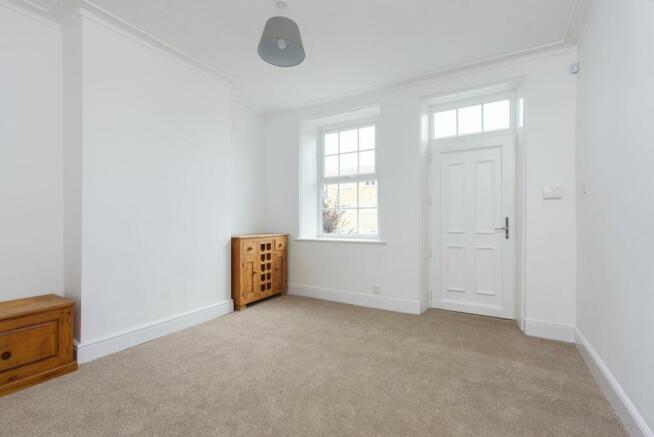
(367, 162)
(348, 223)
(349, 164)
(351, 207)
(331, 215)
(367, 138)
(330, 220)
(331, 144)
(330, 195)
(367, 194)
(445, 124)
(347, 195)
(368, 221)
(331, 166)
(470, 120)
(348, 141)
(497, 115)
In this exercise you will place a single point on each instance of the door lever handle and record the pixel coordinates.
(504, 228)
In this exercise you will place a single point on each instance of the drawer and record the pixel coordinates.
(27, 345)
(280, 244)
(249, 248)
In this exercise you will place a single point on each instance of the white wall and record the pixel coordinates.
(329, 268)
(155, 185)
(550, 233)
(352, 267)
(30, 157)
(131, 218)
(246, 171)
(72, 166)
(614, 159)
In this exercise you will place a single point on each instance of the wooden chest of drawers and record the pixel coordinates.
(36, 341)
(259, 267)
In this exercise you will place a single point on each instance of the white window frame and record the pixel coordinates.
(481, 100)
(322, 180)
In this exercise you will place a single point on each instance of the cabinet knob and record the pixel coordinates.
(6, 355)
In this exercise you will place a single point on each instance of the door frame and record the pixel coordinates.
(434, 98)
(507, 138)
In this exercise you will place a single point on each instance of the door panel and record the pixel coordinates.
(473, 267)
(486, 271)
(277, 276)
(28, 344)
(455, 269)
(454, 195)
(485, 197)
(284, 274)
(249, 280)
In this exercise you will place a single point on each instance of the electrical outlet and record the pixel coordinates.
(376, 289)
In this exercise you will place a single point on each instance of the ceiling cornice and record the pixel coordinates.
(62, 11)
(29, 10)
(578, 20)
(103, 17)
(544, 51)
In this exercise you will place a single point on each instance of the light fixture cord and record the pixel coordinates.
(281, 4)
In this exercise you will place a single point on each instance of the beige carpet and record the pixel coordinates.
(293, 366)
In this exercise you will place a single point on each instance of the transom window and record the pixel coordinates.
(466, 120)
(348, 183)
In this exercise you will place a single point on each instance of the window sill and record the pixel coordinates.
(342, 240)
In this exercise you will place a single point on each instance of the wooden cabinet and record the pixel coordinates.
(36, 341)
(259, 267)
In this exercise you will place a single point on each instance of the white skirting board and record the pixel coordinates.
(360, 299)
(132, 337)
(549, 330)
(624, 408)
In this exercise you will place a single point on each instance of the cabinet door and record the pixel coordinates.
(284, 268)
(249, 282)
(278, 272)
(281, 267)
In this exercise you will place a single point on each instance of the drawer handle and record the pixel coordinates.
(6, 355)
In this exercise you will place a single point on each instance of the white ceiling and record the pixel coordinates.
(351, 45)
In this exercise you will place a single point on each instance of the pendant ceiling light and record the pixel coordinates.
(281, 44)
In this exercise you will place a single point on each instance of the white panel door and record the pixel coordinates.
(472, 201)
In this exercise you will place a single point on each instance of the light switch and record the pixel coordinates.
(552, 192)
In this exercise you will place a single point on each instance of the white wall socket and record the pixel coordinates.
(552, 192)
(376, 289)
